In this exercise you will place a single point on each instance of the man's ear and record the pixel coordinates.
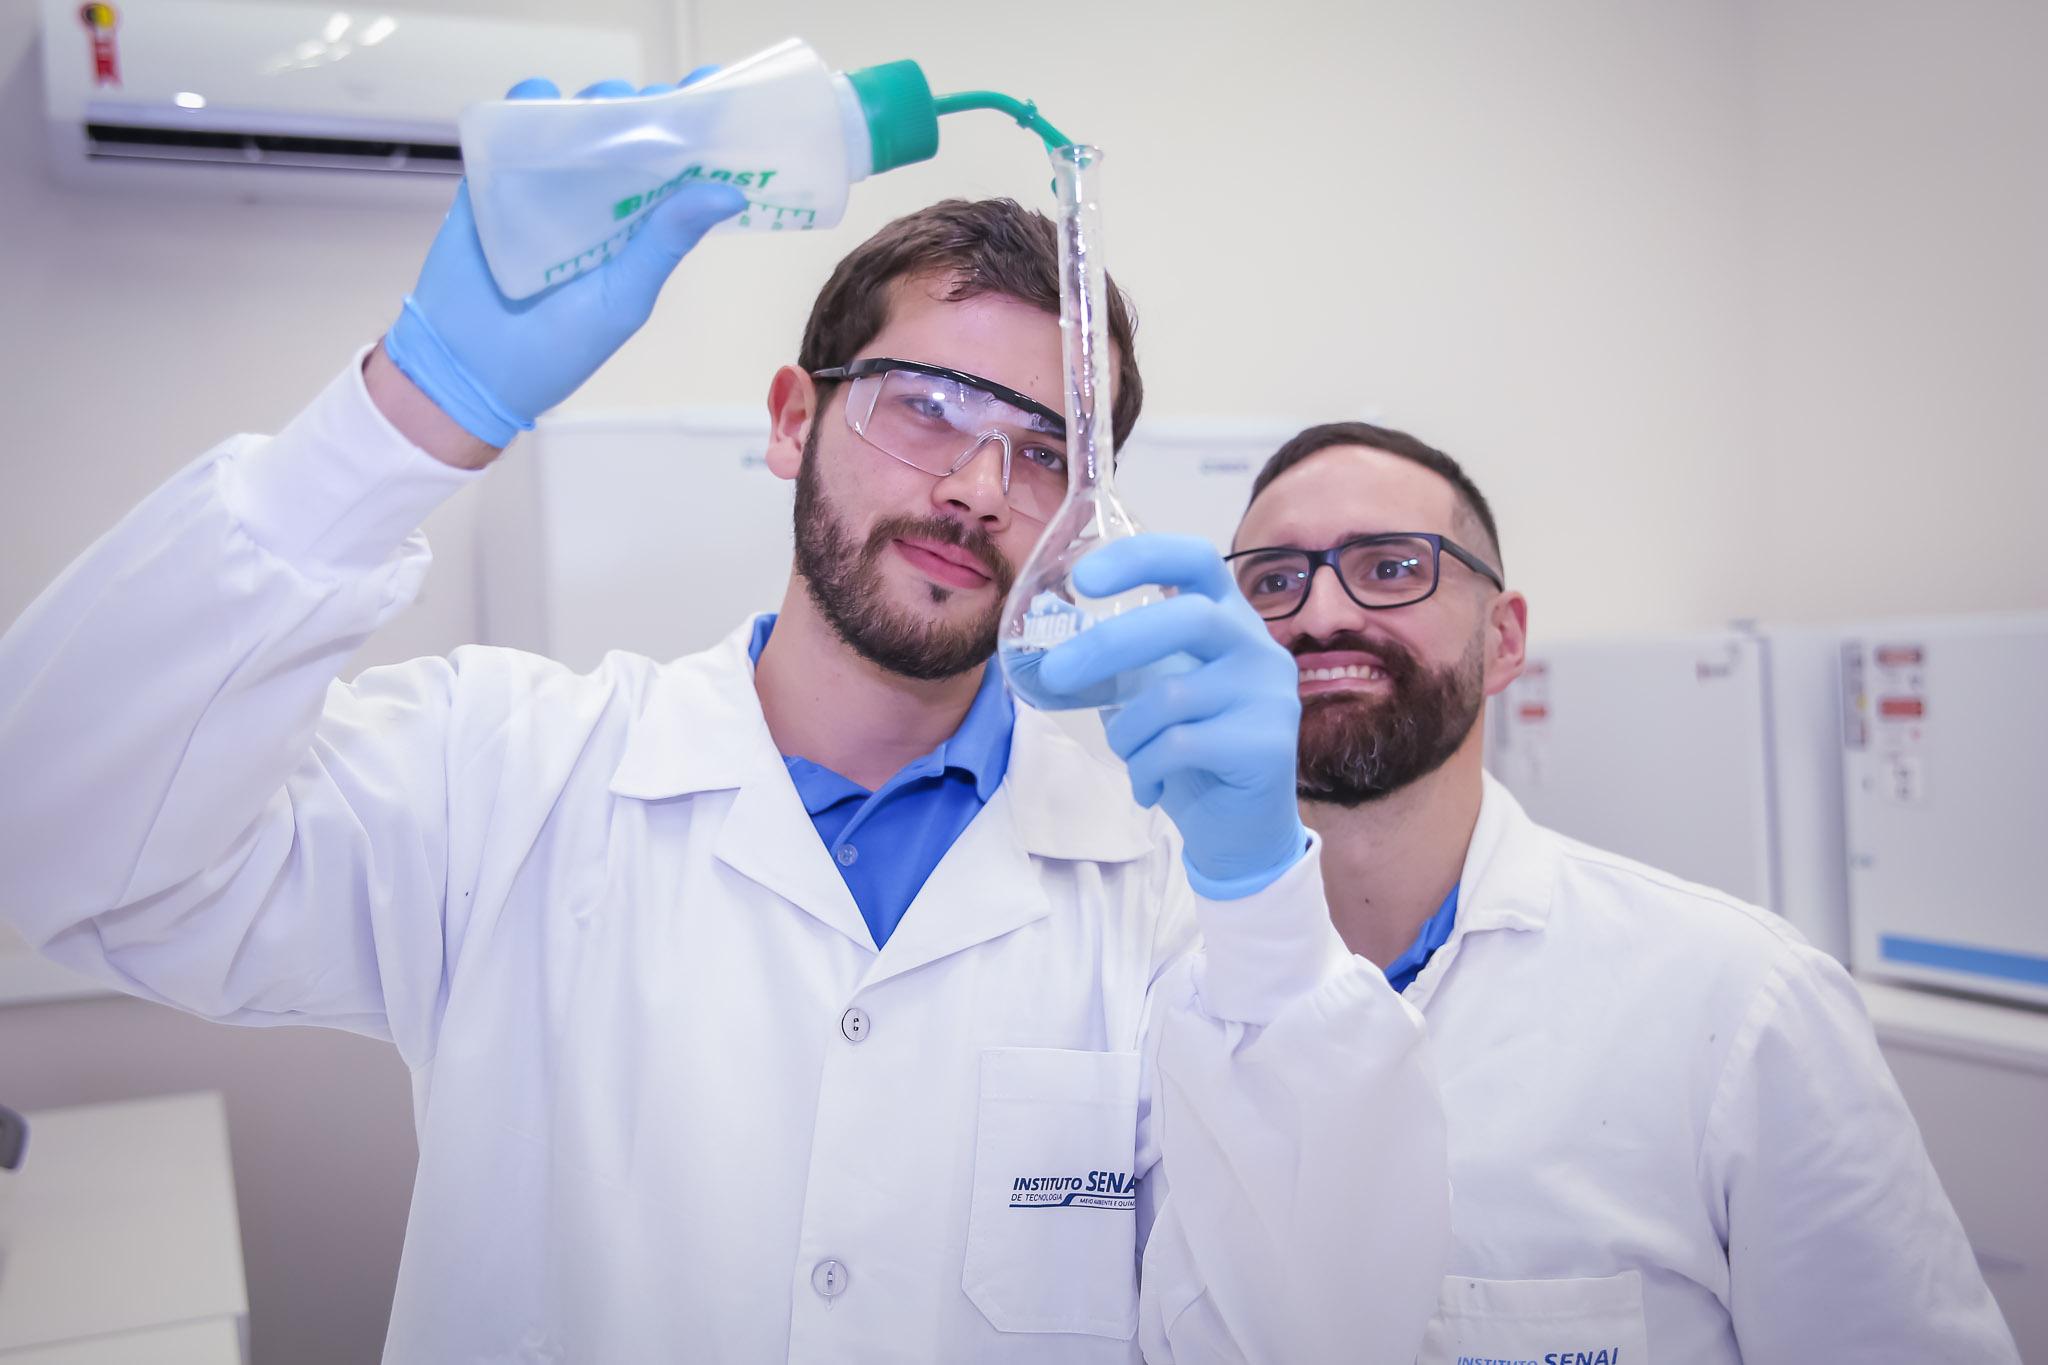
(1507, 641)
(792, 408)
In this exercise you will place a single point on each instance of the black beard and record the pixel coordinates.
(1358, 749)
(846, 586)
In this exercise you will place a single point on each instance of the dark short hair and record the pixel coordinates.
(1397, 443)
(986, 246)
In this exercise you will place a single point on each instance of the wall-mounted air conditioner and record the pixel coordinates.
(290, 100)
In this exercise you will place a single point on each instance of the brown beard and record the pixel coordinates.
(1357, 749)
(846, 584)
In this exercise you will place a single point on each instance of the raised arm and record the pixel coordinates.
(196, 811)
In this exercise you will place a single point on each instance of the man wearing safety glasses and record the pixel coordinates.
(1672, 1135)
(802, 999)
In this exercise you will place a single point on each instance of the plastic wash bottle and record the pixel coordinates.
(559, 185)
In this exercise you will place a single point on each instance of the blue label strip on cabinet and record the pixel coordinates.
(1955, 957)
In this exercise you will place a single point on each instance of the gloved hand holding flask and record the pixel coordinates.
(1214, 746)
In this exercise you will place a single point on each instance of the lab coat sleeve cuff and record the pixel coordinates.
(340, 487)
(1264, 950)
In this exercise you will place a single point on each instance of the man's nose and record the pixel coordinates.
(1329, 610)
(976, 487)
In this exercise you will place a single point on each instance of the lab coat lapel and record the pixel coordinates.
(1056, 801)
(700, 730)
(769, 839)
(1509, 878)
(985, 887)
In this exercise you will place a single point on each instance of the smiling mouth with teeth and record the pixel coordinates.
(1365, 671)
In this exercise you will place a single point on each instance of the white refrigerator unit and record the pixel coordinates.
(1945, 784)
(1710, 755)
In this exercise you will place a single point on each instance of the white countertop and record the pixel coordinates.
(2006, 1035)
(122, 1235)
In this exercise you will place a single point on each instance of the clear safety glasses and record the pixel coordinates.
(1376, 572)
(936, 420)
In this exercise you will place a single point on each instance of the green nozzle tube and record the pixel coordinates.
(1024, 111)
(903, 117)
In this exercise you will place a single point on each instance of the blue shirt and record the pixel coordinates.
(887, 841)
(1434, 934)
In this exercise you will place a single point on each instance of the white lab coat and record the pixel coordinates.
(672, 1104)
(1672, 1135)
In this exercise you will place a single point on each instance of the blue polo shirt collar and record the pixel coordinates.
(1435, 932)
(980, 748)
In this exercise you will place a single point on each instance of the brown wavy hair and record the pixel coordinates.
(985, 246)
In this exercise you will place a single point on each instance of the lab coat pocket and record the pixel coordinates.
(1052, 1235)
(1562, 1322)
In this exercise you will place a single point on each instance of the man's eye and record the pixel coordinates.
(1393, 570)
(1049, 459)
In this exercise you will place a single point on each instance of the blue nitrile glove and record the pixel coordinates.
(1213, 747)
(494, 364)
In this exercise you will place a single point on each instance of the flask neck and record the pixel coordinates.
(1084, 327)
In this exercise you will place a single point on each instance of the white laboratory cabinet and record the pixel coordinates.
(27, 976)
(1945, 786)
(1883, 785)
(122, 1243)
(1975, 1075)
(1194, 477)
(1712, 755)
(654, 532)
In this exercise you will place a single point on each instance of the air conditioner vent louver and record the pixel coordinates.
(135, 142)
(328, 103)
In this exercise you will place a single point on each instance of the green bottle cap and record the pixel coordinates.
(903, 122)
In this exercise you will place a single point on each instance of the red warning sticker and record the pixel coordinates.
(99, 20)
(1902, 708)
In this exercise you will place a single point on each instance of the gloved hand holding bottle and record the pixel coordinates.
(587, 209)
(494, 364)
(1214, 747)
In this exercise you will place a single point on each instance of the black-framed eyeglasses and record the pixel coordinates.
(1377, 572)
(935, 419)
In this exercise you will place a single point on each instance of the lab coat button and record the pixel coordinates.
(829, 1279)
(847, 854)
(854, 1024)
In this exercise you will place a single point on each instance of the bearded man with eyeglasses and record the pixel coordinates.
(1672, 1135)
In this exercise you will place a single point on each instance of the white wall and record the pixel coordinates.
(1679, 283)
(1518, 229)
(1902, 283)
